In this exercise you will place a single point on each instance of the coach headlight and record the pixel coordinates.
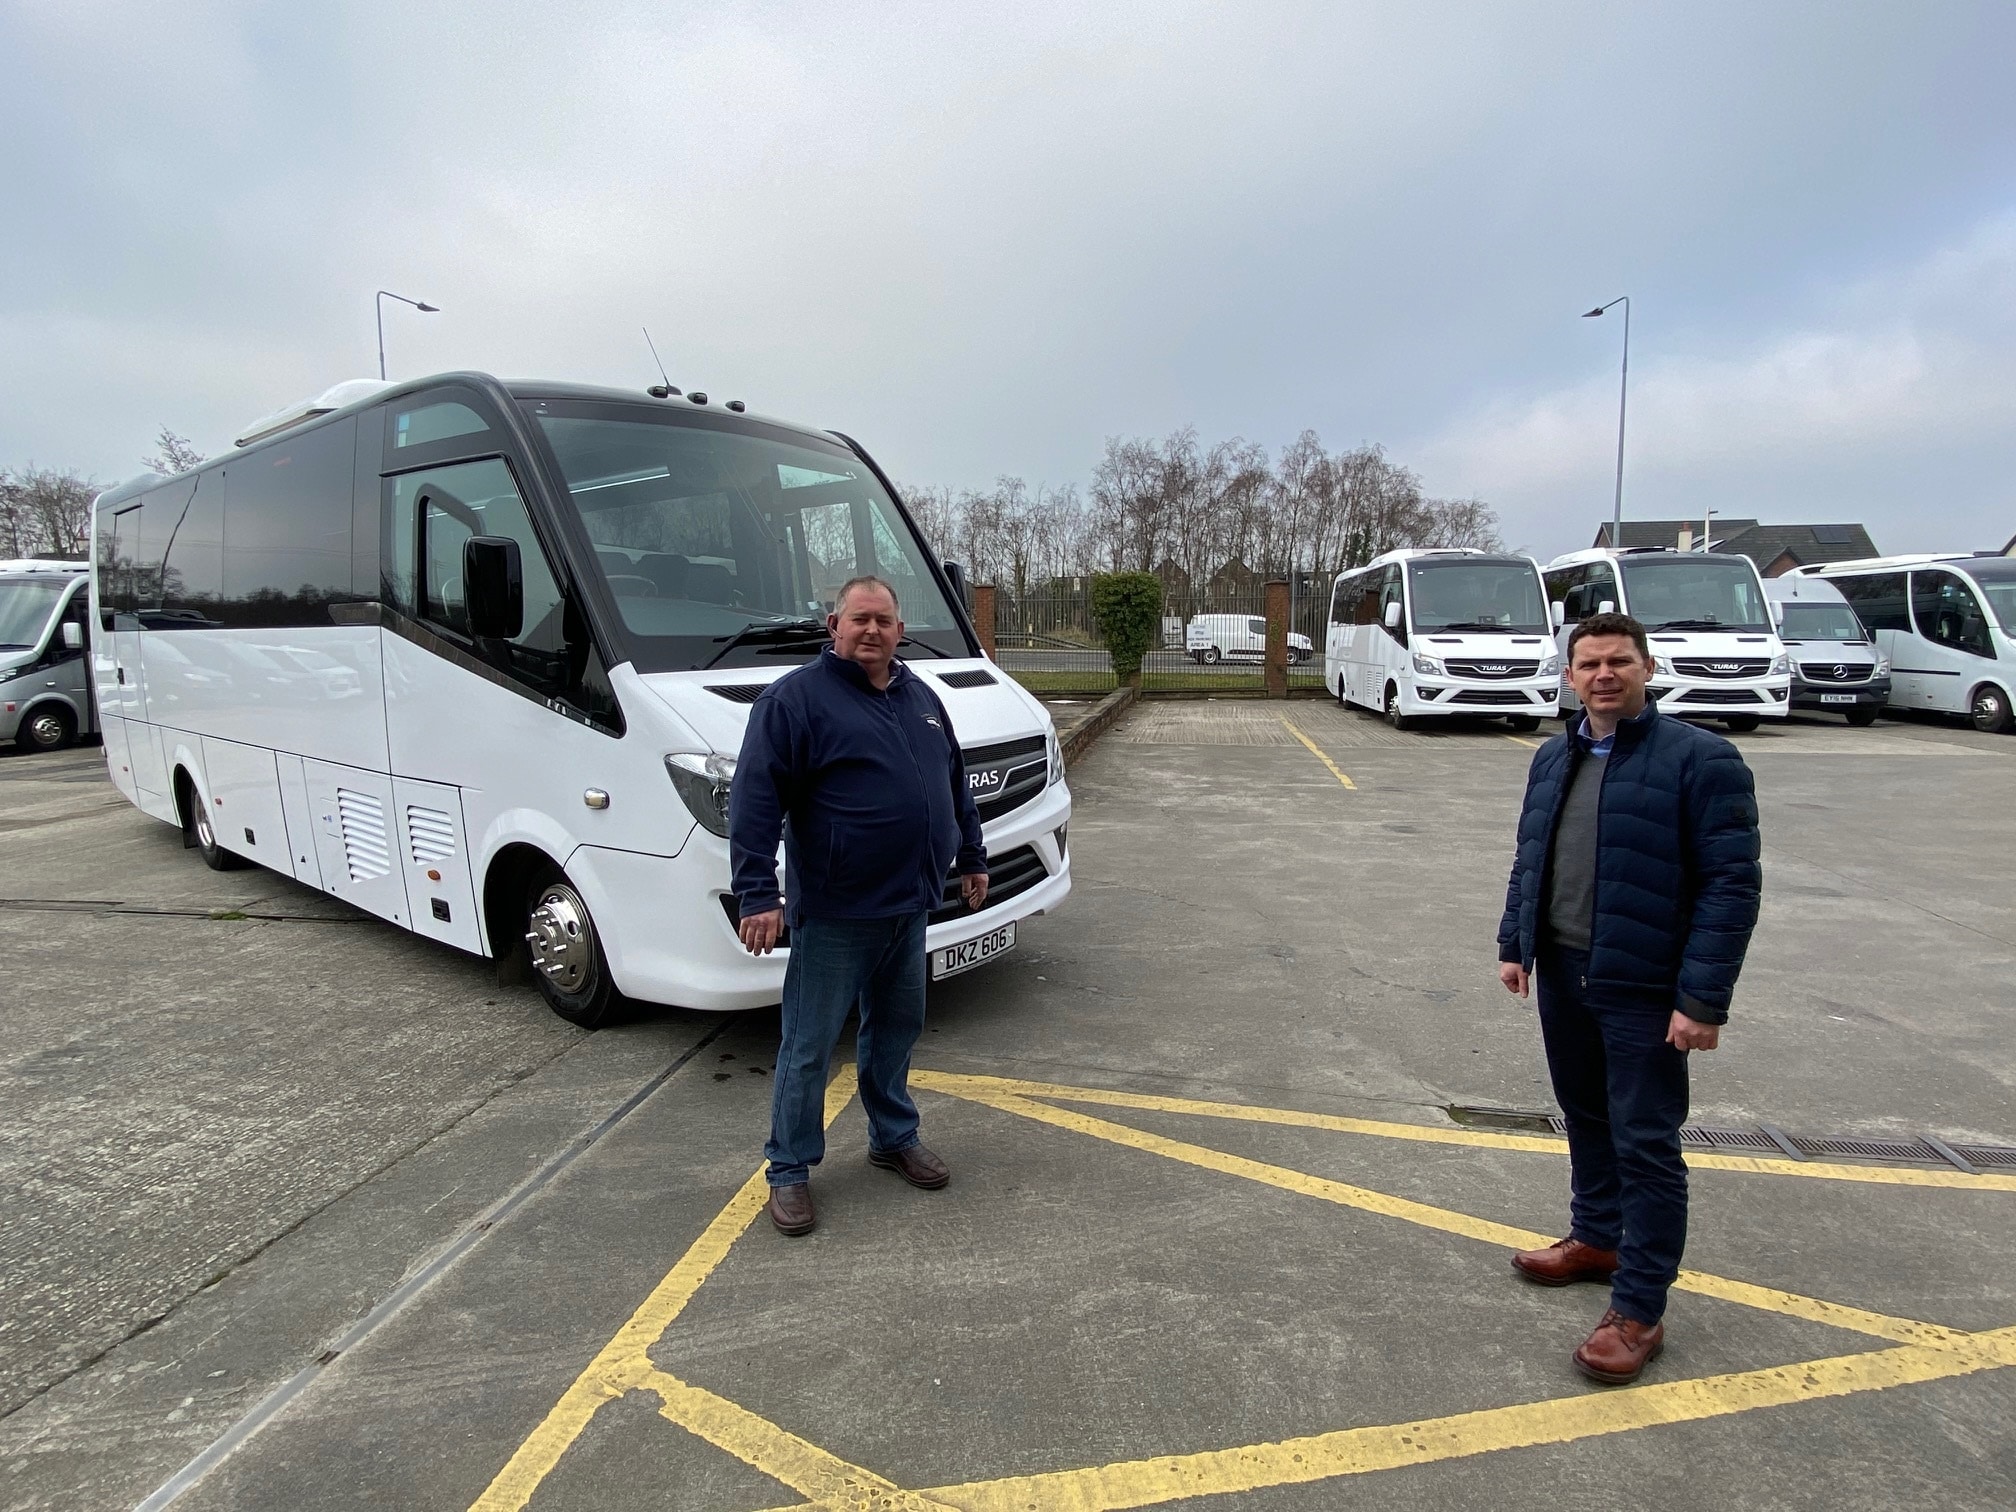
(1782, 663)
(1056, 757)
(703, 781)
(1428, 666)
(1552, 666)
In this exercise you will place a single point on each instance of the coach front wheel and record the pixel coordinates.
(1862, 718)
(1394, 717)
(1523, 723)
(49, 728)
(1990, 709)
(566, 953)
(1740, 724)
(202, 831)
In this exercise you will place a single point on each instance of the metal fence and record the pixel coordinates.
(1048, 641)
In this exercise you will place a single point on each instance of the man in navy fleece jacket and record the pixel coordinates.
(852, 759)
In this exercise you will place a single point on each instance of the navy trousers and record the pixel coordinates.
(836, 964)
(1623, 1091)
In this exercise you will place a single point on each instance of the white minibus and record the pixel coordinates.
(45, 674)
(1836, 668)
(476, 657)
(1430, 634)
(1715, 648)
(1947, 626)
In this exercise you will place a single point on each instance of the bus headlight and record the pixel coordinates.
(1783, 663)
(1552, 666)
(703, 781)
(1056, 758)
(1882, 668)
(1428, 666)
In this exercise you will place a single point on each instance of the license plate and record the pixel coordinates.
(1837, 698)
(967, 954)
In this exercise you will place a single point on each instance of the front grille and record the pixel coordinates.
(1009, 875)
(1492, 669)
(1720, 696)
(1489, 696)
(738, 692)
(1837, 672)
(1723, 667)
(1005, 776)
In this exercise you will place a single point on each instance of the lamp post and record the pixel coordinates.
(1623, 387)
(384, 294)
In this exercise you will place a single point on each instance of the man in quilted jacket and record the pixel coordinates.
(1633, 894)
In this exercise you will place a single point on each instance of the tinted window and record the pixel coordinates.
(189, 518)
(118, 539)
(1340, 603)
(1878, 598)
(1995, 579)
(287, 529)
(1948, 612)
(1389, 593)
(428, 423)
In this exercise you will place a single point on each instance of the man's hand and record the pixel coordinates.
(759, 931)
(1513, 975)
(973, 888)
(1684, 1033)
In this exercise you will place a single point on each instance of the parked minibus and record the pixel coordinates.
(477, 657)
(1947, 626)
(1425, 634)
(45, 671)
(1212, 638)
(1715, 649)
(1836, 668)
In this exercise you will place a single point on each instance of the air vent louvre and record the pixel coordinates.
(976, 677)
(738, 692)
(430, 834)
(365, 851)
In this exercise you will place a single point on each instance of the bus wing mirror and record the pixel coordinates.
(1391, 618)
(1560, 612)
(493, 586)
(956, 576)
(1608, 606)
(1777, 614)
(73, 636)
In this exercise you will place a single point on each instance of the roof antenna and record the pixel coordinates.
(658, 390)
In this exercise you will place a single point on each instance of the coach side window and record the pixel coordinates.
(1340, 604)
(1878, 598)
(1948, 612)
(286, 547)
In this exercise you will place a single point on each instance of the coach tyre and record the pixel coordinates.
(1990, 709)
(1862, 718)
(1740, 724)
(567, 959)
(196, 816)
(49, 728)
(1394, 717)
(1523, 723)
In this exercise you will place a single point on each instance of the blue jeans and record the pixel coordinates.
(1623, 1092)
(836, 963)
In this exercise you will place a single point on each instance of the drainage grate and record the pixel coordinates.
(1925, 1150)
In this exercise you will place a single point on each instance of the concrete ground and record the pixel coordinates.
(1211, 1239)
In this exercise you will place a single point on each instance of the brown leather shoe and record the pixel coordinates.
(791, 1209)
(1565, 1262)
(915, 1164)
(1619, 1348)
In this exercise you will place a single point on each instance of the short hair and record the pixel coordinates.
(866, 580)
(1609, 624)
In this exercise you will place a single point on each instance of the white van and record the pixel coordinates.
(476, 657)
(1212, 638)
(1947, 626)
(45, 671)
(1715, 648)
(1427, 634)
(1836, 668)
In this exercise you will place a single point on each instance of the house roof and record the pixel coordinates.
(1763, 544)
(1664, 533)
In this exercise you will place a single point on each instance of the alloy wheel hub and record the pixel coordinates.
(559, 939)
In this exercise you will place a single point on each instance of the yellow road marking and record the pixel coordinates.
(1448, 1221)
(1361, 1451)
(779, 1454)
(956, 1084)
(622, 1364)
(1520, 740)
(1335, 770)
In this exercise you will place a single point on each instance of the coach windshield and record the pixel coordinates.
(724, 543)
(1699, 592)
(1477, 595)
(24, 612)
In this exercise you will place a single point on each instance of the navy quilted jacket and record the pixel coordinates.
(1677, 875)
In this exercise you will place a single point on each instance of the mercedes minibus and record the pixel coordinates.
(1947, 626)
(1836, 668)
(1715, 649)
(45, 676)
(476, 657)
(1420, 635)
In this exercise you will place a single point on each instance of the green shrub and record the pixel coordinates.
(1127, 607)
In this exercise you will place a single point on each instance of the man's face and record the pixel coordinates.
(865, 628)
(1609, 675)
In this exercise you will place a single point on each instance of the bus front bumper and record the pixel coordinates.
(1536, 696)
(1766, 697)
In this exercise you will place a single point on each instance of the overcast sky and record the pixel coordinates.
(983, 239)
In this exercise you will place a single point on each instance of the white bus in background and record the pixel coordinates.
(45, 672)
(1836, 668)
(1418, 635)
(1715, 646)
(477, 658)
(1947, 626)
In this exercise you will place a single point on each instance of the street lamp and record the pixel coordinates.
(384, 294)
(1623, 385)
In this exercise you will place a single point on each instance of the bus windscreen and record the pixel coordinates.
(1694, 593)
(1469, 596)
(24, 611)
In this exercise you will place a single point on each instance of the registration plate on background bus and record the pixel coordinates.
(967, 954)
(1837, 698)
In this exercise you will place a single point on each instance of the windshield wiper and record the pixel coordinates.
(767, 632)
(911, 640)
(1692, 624)
(1479, 625)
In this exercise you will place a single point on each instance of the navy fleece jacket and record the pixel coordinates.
(867, 787)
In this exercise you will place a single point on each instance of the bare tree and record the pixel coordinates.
(44, 512)
(173, 455)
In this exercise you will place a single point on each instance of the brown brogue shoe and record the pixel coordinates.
(1565, 1262)
(1619, 1348)
(791, 1209)
(914, 1164)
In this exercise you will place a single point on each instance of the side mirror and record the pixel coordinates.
(493, 586)
(956, 575)
(1560, 613)
(73, 636)
(1608, 606)
(1391, 618)
(1777, 614)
